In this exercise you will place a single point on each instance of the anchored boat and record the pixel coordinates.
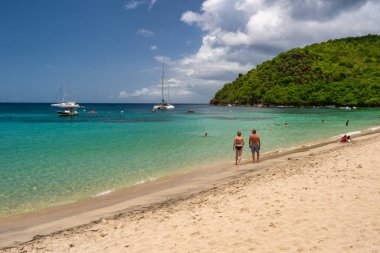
(164, 105)
(68, 107)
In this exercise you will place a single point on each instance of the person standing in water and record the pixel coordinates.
(254, 144)
(238, 147)
(347, 122)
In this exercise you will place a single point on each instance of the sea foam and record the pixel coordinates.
(374, 128)
(103, 193)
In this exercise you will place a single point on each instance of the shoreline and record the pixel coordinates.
(182, 172)
(294, 106)
(22, 228)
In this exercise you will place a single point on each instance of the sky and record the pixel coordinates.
(113, 51)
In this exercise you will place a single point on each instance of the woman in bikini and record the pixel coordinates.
(238, 147)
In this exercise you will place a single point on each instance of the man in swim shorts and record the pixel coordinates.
(238, 147)
(254, 144)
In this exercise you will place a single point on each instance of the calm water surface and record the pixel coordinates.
(48, 160)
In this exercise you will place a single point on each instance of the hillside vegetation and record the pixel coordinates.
(343, 72)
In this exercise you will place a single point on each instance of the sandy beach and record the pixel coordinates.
(324, 199)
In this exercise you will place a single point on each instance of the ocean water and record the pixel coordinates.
(47, 160)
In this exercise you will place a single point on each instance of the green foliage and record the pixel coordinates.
(344, 72)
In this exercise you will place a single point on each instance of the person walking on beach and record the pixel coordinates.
(254, 144)
(238, 147)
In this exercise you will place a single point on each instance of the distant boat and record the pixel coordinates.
(164, 105)
(190, 111)
(92, 111)
(69, 107)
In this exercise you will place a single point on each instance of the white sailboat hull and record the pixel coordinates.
(66, 105)
(163, 107)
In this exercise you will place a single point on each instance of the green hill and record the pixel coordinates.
(343, 72)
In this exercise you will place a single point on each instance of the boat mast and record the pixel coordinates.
(168, 101)
(64, 95)
(168, 95)
(59, 94)
(162, 84)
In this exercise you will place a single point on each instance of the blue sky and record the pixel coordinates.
(112, 51)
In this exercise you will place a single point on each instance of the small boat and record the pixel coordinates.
(164, 105)
(68, 112)
(69, 107)
(190, 111)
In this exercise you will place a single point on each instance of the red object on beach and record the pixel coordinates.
(344, 138)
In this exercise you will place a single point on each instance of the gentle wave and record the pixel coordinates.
(103, 193)
(354, 133)
(374, 128)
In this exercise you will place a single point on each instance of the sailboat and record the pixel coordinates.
(164, 105)
(68, 107)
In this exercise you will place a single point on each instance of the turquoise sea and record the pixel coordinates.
(47, 160)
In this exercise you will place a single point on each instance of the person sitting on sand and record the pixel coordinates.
(238, 147)
(254, 144)
(344, 138)
(348, 139)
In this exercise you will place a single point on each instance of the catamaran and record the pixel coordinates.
(164, 105)
(68, 107)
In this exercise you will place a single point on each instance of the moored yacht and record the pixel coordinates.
(164, 105)
(68, 107)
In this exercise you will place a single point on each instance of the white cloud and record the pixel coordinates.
(142, 92)
(139, 93)
(123, 94)
(152, 3)
(172, 82)
(163, 59)
(239, 34)
(145, 32)
(133, 4)
(153, 47)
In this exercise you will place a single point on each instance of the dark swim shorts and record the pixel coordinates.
(255, 148)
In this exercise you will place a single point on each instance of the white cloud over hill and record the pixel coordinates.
(239, 34)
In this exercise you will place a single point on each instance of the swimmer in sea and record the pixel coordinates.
(238, 147)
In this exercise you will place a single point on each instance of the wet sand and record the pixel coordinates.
(319, 198)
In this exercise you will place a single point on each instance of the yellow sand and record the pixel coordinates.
(326, 201)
